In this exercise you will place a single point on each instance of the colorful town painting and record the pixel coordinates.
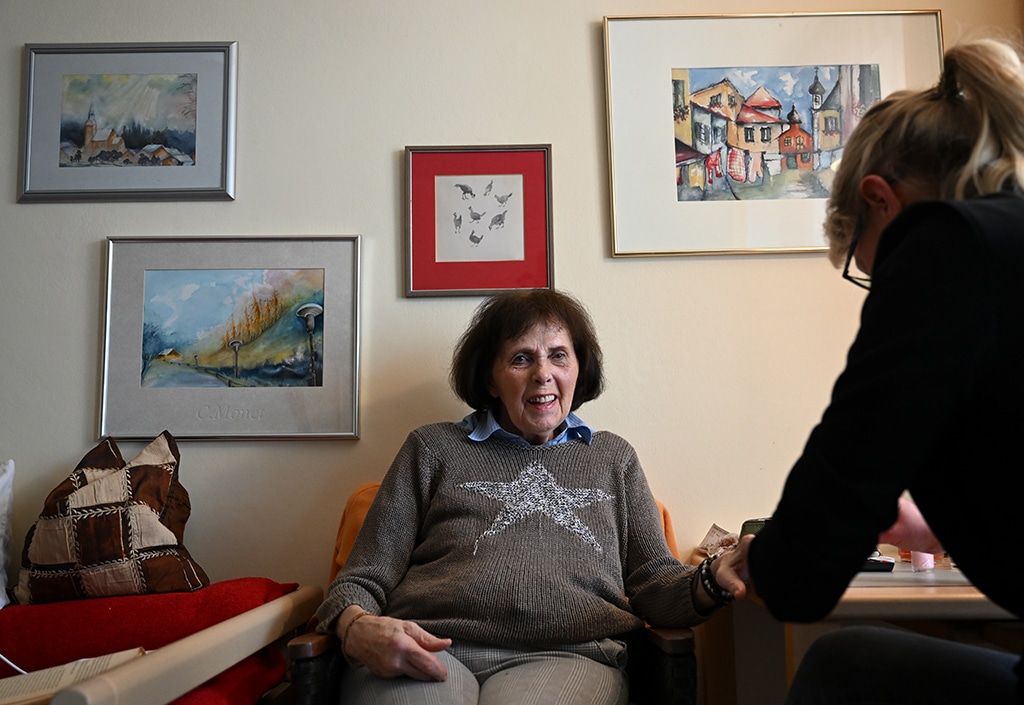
(765, 132)
(128, 120)
(233, 328)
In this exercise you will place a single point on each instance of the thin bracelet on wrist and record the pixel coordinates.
(348, 627)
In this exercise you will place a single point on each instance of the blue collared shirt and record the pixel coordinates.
(482, 425)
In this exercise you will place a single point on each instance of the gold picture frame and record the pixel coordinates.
(728, 91)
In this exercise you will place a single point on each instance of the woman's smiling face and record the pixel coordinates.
(534, 376)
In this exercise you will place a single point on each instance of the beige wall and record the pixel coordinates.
(717, 366)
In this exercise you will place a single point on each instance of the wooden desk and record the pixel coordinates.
(942, 603)
(944, 593)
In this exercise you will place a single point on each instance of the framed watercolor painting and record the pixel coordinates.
(478, 219)
(128, 122)
(231, 338)
(724, 130)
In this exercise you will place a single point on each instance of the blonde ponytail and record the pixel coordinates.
(990, 81)
(962, 138)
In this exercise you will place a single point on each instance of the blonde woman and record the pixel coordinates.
(927, 206)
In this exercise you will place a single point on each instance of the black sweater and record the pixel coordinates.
(930, 402)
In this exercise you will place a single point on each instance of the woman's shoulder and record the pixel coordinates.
(1009, 203)
(426, 445)
(439, 430)
(988, 226)
(993, 213)
(607, 441)
(998, 217)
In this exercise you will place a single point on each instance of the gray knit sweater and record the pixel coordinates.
(500, 543)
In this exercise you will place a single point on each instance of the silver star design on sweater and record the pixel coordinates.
(537, 491)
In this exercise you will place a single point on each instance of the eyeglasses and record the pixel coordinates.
(862, 282)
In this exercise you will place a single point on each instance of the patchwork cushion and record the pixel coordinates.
(112, 528)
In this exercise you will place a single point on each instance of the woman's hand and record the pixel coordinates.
(390, 647)
(730, 570)
(911, 532)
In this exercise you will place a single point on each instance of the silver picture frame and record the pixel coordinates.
(231, 338)
(85, 135)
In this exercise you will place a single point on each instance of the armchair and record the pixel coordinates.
(662, 663)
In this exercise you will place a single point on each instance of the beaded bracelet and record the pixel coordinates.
(719, 595)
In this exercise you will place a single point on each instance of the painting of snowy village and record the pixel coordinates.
(233, 328)
(765, 132)
(128, 120)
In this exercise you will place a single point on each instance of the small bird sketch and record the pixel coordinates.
(462, 209)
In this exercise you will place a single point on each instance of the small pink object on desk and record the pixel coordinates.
(922, 562)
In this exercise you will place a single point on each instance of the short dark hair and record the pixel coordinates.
(509, 315)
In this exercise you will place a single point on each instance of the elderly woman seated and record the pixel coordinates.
(505, 553)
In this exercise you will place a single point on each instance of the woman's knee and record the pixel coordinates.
(360, 687)
(844, 660)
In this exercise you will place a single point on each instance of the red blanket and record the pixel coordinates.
(39, 636)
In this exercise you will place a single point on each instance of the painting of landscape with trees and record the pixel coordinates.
(233, 328)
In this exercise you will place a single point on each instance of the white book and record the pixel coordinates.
(38, 687)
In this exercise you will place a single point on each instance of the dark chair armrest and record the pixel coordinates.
(316, 665)
(671, 641)
(663, 667)
(310, 645)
